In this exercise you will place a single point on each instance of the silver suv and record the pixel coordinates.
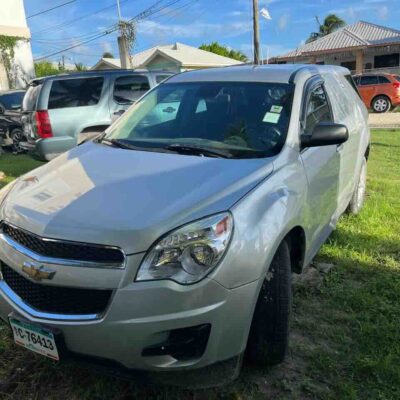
(168, 243)
(59, 112)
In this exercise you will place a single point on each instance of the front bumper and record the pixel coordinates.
(142, 314)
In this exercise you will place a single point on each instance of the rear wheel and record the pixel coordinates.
(357, 200)
(381, 104)
(269, 332)
(17, 136)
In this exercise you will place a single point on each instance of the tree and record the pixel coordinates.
(45, 68)
(224, 51)
(331, 23)
(80, 67)
(107, 54)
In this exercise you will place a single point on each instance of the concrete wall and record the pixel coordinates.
(13, 23)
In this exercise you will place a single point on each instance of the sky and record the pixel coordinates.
(192, 22)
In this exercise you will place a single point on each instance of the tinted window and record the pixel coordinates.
(128, 89)
(12, 100)
(31, 96)
(397, 77)
(383, 79)
(352, 84)
(160, 78)
(75, 92)
(369, 80)
(246, 119)
(356, 80)
(317, 109)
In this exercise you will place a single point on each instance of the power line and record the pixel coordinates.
(50, 9)
(144, 14)
(73, 21)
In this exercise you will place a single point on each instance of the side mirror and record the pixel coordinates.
(325, 134)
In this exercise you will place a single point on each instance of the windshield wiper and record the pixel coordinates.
(128, 145)
(197, 150)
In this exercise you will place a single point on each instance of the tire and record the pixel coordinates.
(381, 104)
(269, 332)
(17, 136)
(357, 200)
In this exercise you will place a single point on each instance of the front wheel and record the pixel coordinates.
(381, 104)
(269, 332)
(357, 200)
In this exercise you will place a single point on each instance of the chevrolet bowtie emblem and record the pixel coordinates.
(37, 272)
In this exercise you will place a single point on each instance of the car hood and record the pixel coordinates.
(100, 194)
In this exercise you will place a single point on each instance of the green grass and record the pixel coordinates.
(15, 165)
(345, 334)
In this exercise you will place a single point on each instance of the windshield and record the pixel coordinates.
(243, 119)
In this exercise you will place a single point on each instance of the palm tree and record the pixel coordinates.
(331, 23)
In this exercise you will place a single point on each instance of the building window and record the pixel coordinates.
(351, 65)
(387, 61)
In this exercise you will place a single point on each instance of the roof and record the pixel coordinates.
(279, 73)
(182, 54)
(358, 35)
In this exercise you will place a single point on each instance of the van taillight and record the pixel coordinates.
(43, 125)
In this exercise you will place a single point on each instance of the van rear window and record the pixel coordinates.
(78, 92)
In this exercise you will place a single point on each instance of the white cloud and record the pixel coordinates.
(283, 21)
(159, 30)
(383, 12)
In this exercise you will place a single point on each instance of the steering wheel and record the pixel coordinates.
(236, 141)
(272, 136)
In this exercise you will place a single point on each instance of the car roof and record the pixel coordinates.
(280, 73)
(3, 92)
(100, 72)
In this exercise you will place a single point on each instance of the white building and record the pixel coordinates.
(177, 57)
(13, 23)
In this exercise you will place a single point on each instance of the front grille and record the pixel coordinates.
(56, 299)
(63, 249)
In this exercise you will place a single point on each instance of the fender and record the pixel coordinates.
(262, 219)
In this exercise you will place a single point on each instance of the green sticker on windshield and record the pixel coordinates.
(272, 118)
(276, 109)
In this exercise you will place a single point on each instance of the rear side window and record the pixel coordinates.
(318, 109)
(128, 89)
(30, 98)
(397, 77)
(383, 79)
(75, 92)
(352, 84)
(369, 80)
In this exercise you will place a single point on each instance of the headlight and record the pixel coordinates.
(188, 254)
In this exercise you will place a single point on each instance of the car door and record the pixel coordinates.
(321, 165)
(126, 90)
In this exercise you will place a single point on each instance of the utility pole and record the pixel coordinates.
(256, 33)
(122, 42)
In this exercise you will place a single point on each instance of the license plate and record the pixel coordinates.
(35, 338)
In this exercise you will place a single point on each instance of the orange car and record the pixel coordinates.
(380, 92)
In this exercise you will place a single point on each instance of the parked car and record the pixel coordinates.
(380, 92)
(168, 243)
(61, 111)
(11, 133)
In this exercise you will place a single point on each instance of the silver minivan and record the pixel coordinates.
(168, 243)
(61, 111)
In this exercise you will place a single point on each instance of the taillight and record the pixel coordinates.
(396, 85)
(43, 125)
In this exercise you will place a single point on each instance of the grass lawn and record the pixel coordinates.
(346, 330)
